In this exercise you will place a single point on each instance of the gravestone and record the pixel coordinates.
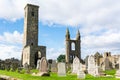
(93, 68)
(20, 69)
(76, 65)
(118, 71)
(27, 68)
(26, 65)
(14, 66)
(54, 66)
(96, 71)
(106, 65)
(7, 65)
(2, 65)
(80, 72)
(38, 64)
(49, 64)
(91, 65)
(44, 67)
(61, 69)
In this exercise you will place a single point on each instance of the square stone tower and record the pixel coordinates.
(31, 51)
(31, 25)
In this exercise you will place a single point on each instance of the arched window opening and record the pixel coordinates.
(107, 54)
(73, 46)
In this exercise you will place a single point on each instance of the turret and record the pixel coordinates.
(67, 34)
(78, 35)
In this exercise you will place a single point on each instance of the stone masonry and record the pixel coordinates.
(31, 51)
(73, 47)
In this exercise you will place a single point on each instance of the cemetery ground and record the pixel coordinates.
(54, 76)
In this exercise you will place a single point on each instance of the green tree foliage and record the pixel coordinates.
(61, 58)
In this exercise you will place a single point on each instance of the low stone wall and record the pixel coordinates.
(4, 77)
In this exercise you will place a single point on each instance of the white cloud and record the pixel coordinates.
(66, 12)
(11, 45)
(99, 20)
(13, 38)
(108, 41)
(91, 15)
(10, 51)
(53, 53)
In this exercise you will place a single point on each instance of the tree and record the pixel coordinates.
(61, 58)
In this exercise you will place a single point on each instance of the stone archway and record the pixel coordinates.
(36, 58)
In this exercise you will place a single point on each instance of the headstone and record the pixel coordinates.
(44, 67)
(61, 69)
(118, 71)
(106, 65)
(93, 68)
(49, 65)
(20, 70)
(54, 66)
(26, 65)
(96, 71)
(76, 65)
(80, 73)
(38, 64)
(27, 68)
(91, 65)
(7, 65)
(14, 66)
(2, 65)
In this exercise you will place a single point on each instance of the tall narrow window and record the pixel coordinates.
(73, 46)
(107, 54)
(32, 13)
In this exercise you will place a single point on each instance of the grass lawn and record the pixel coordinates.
(110, 72)
(54, 76)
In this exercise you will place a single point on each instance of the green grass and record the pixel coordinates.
(110, 72)
(53, 76)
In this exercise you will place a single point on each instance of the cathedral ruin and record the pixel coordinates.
(73, 47)
(31, 50)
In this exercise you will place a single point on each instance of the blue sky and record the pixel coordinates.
(97, 20)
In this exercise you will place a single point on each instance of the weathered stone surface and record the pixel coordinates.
(44, 74)
(73, 47)
(80, 74)
(54, 66)
(14, 66)
(91, 65)
(43, 65)
(106, 65)
(26, 66)
(4, 77)
(61, 69)
(118, 71)
(117, 74)
(76, 65)
(20, 69)
(38, 64)
(93, 68)
(31, 51)
(43, 69)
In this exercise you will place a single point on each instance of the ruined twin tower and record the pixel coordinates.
(73, 47)
(31, 51)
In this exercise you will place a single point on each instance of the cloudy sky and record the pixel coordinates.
(97, 20)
